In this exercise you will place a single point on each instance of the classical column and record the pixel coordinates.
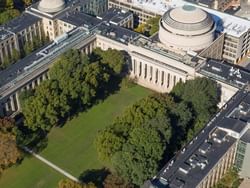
(133, 67)
(44, 76)
(162, 78)
(38, 81)
(1, 110)
(7, 106)
(153, 75)
(138, 68)
(12, 104)
(28, 86)
(159, 77)
(150, 72)
(18, 102)
(145, 69)
(33, 84)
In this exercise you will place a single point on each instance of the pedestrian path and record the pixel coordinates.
(58, 169)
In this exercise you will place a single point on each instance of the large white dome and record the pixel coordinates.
(51, 6)
(188, 14)
(187, 28)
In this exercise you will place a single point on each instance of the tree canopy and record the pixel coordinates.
(150, 27)
(140, 140)
(67, 183)
(75, 84)
(9, 152)
(202, 95)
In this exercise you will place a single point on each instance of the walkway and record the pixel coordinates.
(39, 157)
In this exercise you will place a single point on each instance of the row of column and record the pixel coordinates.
(155, 75)
(222, 167)
(12, 104)
(88, 49)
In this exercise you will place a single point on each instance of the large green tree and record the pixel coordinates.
(113, 59)
(46, 107)
(202, 94)
(75, 84)
(67, 183)
(140, 155)
(7, 15)
(148, 133)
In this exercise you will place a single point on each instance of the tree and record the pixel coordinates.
(15, 55)
(27, 2)
(153, 24)
(46, 107)
(9, 153)
(114, 180)
(9, 4)
(108, 144)
(67, 183)
(135, 142)
(149, 111)
(140, 156)
(7, 125)
(114, 60)
(202, 95)
(8, 15)
(150, 27)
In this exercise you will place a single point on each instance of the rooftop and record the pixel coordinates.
(117, 33)
(21, 22)
(80, 19)
(114, 15)
(228, 73)
(181, 57)
(4, 34)
(42, 56)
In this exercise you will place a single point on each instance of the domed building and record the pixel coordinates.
(51, 6)
(187, 28)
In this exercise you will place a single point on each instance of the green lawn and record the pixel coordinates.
(71, 147)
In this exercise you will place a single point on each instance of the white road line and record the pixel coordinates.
(51, 164)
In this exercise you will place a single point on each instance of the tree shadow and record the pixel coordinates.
(96, 176)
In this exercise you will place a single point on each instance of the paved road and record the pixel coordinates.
(58, 169)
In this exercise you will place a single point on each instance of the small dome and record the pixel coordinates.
(187, 18)
(51, 6)
(187, 28)
(188, 14)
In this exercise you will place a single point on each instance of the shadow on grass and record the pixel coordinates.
(96, 176)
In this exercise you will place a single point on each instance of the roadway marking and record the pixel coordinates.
(58, 169)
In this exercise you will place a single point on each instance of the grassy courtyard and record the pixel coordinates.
(71, 147)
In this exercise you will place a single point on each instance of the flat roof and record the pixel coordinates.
(117, 33)
(114, 15)
(79, 19)
(228, 73)
(230, 24)
(4, 34)
(37, 58)
(21, 22)
(152, 45)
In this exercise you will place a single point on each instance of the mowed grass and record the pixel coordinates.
(71, 147)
